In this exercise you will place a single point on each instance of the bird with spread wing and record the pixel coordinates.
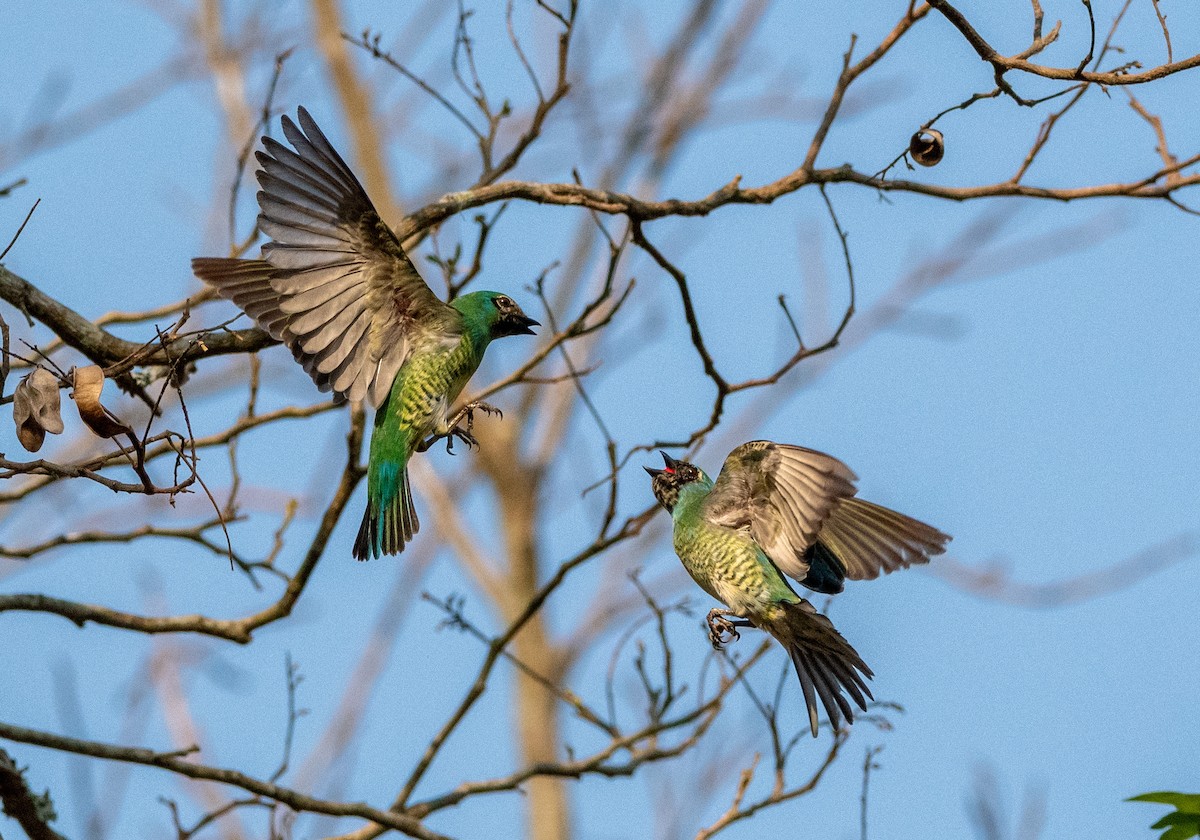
(335, 286)
(775, 512)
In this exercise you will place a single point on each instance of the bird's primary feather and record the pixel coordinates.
(869, 539)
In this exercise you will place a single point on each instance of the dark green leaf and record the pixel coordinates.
(1184, 822)
(1178, 818)
(1181, 832)
(1182, 801)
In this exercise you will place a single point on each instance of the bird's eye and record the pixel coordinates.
(502, 302)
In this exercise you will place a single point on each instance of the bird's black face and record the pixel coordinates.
(667, 482)
(511, 320)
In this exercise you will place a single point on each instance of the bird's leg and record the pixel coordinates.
(457, 432)
(722, 631)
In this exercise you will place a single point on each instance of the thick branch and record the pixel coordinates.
(176, 763)
(994, 581)
(31, 811)
(607, 201)
(356, 102)
(104, 348)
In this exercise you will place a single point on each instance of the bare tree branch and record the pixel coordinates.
(33, 812)
(994, 582)
(177, 762)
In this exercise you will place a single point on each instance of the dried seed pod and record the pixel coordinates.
(88, 383)
(37, 408)
(927, 147)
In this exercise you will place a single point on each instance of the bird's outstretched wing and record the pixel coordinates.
(333, 283)
(783, 494)
(790, 497)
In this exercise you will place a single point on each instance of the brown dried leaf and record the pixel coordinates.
(89, 381)
(37, 408)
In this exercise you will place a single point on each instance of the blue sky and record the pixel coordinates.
(1041, 408)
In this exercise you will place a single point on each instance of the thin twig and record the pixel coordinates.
(20, 229)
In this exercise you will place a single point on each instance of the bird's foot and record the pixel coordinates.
(462, 434)
(467, 412)
(722, 631)
(457, 432)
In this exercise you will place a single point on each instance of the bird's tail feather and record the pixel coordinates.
(827, 665)
(388, 526)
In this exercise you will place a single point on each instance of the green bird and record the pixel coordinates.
(336, 287)
(778, 511)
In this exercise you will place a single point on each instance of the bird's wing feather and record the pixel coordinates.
(783, 494)
(870, 539)
(347, 300)
(248, 284)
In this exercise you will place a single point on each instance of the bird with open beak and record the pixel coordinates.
(776, 512)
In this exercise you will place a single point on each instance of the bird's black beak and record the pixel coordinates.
(671, 468)
(520, 323)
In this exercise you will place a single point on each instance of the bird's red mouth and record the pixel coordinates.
(669, 465)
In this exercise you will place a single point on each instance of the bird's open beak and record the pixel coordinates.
(672, 465)
(521, 324)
